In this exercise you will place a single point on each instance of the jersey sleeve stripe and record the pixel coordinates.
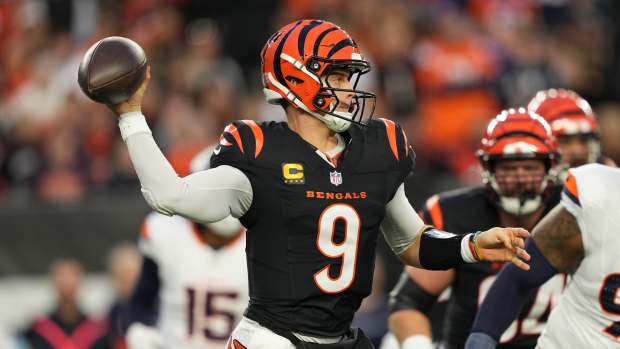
(233, 131)
(390, 128)
(434, 209)
(144, 232)
(258, 136)
(570, 189)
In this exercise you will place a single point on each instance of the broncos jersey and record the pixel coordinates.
(204, 291)
(468, 210)
(588, 316)
(313, 224)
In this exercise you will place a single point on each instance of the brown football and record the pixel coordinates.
(112, 70)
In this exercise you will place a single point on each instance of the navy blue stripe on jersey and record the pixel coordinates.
(572, 197)
(143, 304)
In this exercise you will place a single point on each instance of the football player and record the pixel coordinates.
(517, 154)
(193, 285)
(313, 193)
(575, 126)
(579, 236)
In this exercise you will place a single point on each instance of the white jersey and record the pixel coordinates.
(204, 291)
(588, 316)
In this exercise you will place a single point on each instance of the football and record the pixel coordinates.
(112, 70)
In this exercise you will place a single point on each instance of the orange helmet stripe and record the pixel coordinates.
(390, 128)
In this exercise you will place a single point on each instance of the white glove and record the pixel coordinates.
(141, 336)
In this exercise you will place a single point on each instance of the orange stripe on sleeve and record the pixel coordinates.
(390, 128)
(258, 135)
(144, 231)
(432, 205)
(571, 185)
(232, 129)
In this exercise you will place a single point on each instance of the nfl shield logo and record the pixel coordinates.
(335, 177)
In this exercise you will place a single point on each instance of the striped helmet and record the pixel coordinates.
(517, 134)
(569, 115)
(297, 57)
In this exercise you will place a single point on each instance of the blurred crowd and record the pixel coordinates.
(442, 68)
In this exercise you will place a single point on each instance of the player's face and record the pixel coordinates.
(520, 178)
(574, 149)
(341, 79)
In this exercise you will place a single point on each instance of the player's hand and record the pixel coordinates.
(504, 245)
(140, 336)
(134, 103)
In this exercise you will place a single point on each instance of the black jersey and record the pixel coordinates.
(312, 227)
(470, 210)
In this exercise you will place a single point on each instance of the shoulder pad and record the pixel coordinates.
(241, 140)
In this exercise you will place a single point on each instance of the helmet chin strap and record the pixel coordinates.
(337, 124)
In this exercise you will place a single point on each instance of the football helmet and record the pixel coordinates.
(569, 115)
(516, 134)
(296, 61)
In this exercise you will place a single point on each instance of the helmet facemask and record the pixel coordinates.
(362, 104)
(520, 183)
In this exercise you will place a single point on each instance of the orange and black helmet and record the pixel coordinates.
(566, 112)
(296, 57)
(517, 134)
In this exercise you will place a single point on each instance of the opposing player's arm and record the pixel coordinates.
(425, 247)
(411, 300)
(556, 246)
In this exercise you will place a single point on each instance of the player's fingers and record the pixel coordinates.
(522, 254)
(519, 263)
(518, 242)
(519, 232)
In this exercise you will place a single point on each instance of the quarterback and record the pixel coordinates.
(313, 193)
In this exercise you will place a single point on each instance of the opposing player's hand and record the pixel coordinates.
(504, 245)
(134, 103)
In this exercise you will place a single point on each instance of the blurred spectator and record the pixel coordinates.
(609, 122)
(66, 326)
(454, 68)
(123, 266)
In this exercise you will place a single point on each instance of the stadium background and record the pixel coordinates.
(441, 68)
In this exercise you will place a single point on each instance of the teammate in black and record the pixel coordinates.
(517, 154)
(313, 193)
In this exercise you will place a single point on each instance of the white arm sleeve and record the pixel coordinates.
(401, 224)
(205, 196)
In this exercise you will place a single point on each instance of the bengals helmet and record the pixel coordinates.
(569, 115)
(516, 134)
(296, 61)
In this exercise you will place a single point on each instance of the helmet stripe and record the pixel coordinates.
(301, 41)
(339, 46)
(276, 57)
(320, 38)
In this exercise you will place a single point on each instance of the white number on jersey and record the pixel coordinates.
(347, 249)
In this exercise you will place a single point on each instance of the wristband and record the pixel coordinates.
(132, 123)
(417, 342)
(469, 248)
